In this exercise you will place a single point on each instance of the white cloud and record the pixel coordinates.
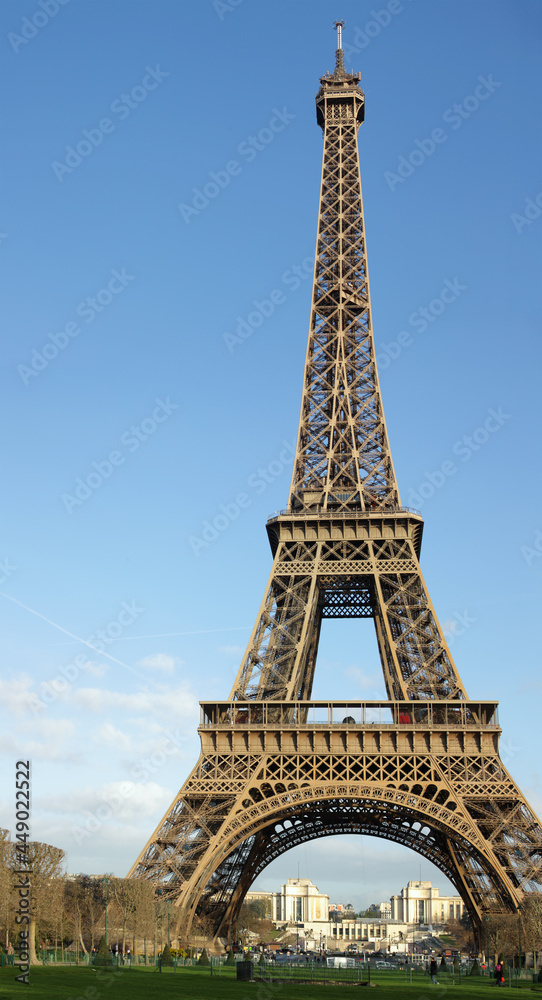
(55, 736)
(164, 702)
(231, 650)
(131, 751)
(160, 661)
(107, 735)
(125, 801)
(95, 669)
(14, 694)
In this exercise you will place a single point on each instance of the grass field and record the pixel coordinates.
(62, 983)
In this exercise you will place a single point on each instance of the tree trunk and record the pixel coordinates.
(34, 960)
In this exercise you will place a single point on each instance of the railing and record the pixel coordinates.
(349, 512)
(350, 714)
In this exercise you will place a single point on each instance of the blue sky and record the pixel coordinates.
(157, 269)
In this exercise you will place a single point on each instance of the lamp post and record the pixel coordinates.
(519, 943)
(106, 882)
(487, 943)
(168, 912)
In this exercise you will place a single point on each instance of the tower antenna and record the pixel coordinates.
(339, 25)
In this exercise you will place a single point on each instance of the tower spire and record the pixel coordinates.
(340, 71)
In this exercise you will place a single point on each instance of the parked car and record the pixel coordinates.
(384, 965)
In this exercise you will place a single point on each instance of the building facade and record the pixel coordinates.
(301, 906)
(370, 933)
(421, 903)
(298, 902)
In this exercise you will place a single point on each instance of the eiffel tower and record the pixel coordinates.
(276, 769)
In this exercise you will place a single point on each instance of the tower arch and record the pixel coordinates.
(442, 836)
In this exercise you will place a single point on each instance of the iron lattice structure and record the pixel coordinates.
(276, 769)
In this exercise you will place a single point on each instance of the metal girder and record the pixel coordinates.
(276, 770)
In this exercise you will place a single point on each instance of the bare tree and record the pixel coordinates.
(141, 915)
(133, 901)
(531, 925)
(84, 901)
(73, 903)
(121, 899)
(501, 929)
(45, 864)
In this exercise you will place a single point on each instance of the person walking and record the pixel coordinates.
(499, 978)
(433, 972)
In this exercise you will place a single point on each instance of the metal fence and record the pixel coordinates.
(360, 972)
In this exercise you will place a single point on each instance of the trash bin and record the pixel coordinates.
(245, 971)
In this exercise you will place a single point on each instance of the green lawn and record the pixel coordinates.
(64, 983)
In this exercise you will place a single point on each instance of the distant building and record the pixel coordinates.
(299, 901)
(370, 933)
(390, 926)
(421, 903)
